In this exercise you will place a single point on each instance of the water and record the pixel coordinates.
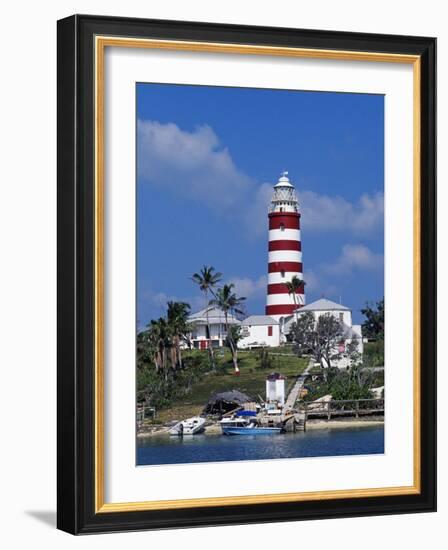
(217, 448)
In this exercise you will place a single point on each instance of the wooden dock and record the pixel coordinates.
(291, 421)
(297, 412)
(341, 408)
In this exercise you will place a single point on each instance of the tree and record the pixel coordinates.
(153, 336)
(207, 279)
(320, 338)
(303, 333)
(144, 352)
(159, 381)
(265, 359)
(160, 340)
(294, 286)
(373, 326)
(234, 335)
(177, 316)
(228, 302)
(329, 333)
(353, 354)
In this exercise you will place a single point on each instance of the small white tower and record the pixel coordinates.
(275, 388)
(285, 251)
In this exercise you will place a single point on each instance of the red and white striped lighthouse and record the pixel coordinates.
(285, 250)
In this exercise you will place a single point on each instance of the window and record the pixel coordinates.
(282, 227)
(269, 331)
(282, 274)
(341, 317)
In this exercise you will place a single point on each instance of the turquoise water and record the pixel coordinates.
(217, 448)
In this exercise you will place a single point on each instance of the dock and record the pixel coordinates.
(342, 408)
(297, 412)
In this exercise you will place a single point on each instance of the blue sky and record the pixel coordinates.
(207, 158)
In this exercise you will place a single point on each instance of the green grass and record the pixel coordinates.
(284, 350)
(250, 381)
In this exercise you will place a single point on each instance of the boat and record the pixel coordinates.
(190, 426)
(246, 426)
(251, 430)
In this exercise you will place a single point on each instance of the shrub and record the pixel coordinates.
(264, 359)
(159, 388)
(374, 354)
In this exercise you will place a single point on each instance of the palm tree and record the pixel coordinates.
(144, 350)
(294, 286)
(177, 315)
(228, 301)
(207, 279)
(153, 336)
(160, 339)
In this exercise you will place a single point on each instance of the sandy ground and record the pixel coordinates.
(338, 424)
(154, 432)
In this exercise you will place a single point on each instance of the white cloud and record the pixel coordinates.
(355, 257)
(255, 214)
(318, 284)
(153, 304)
(249, 288)
(196, 166)
(191, 163)
(324, 213)
(312, 282)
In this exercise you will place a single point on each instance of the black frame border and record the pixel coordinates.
(75, 272)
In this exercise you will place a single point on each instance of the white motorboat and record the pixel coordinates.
(190, 426)
(246, 424)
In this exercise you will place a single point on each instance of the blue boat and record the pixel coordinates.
(246, 426)
(251, 430)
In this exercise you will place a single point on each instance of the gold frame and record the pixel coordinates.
(101, 42)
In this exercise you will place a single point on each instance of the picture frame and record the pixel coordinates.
(82, 41)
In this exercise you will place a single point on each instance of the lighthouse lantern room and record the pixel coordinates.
(285, 251)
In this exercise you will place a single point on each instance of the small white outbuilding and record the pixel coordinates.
(275, 389)
(259, 331)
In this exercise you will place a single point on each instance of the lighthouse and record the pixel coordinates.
(285, 251)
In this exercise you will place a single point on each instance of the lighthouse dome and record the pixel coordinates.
(284, 198)
(283, 181)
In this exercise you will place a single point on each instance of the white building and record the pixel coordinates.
(259, 331)
(217, 322)
(265, 331)
(275, 389)
(351, 332)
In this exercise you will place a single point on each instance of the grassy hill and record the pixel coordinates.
(250, 381)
